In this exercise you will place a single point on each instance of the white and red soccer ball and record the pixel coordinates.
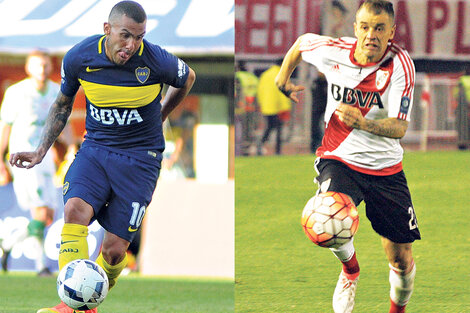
(330, 219)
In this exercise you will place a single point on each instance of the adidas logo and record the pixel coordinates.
(335, 68)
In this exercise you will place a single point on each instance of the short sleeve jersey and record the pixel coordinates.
(25, 109)
(380, 90)
(123, 102)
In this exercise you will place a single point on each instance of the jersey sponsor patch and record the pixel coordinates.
(404, 107)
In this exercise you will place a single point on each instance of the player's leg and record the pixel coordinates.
(267, 132)
(73, 243)
(336, 176)
(85, 192)
(33, 190)
(42, 216)
(402, 273)
(113, 256)
(133, 183)
(390, 210)
(278, 127)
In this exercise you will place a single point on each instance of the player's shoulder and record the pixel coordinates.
(87, 45)
(85, 48)
(401, 57)
(154, 51)
(311, 41)
(158, 58)
(20, 86)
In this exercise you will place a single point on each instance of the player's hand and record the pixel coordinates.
(290, 90)
(25, 159)
(349, 115)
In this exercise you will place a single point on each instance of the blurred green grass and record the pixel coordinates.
(26, 293)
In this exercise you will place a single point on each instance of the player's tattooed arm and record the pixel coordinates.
(55, 123)
(290, 62)
(388, 127)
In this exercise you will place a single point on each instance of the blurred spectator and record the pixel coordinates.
(274, 106)
(462, 113)
(336, 23)
(246, 111)
(319, 99)
(178, 161)
(23, 115)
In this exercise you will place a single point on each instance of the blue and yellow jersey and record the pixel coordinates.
(123, 102)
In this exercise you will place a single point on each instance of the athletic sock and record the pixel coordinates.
(401, 287)
(36, 231)
(347, 255)
(113, 271)
(73, 244)
(394, 308)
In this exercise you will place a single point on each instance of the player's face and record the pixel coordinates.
(39, 68)
(123, 38)
(373, 32)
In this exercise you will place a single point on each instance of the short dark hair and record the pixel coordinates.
(39, 52)
(131, 9)
(379, 6)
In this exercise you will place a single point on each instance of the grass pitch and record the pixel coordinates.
(279, 270)
(26, 293)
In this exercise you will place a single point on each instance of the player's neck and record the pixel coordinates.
(40, 85)
(364, 59)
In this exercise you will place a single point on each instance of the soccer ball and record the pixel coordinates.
(82, 284)
(330, 219)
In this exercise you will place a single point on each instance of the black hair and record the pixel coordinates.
(131, 9)
(337, 4)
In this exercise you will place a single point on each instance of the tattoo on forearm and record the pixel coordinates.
(390, 127)
(56, 120)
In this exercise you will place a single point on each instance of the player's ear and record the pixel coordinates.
(392, 31)
(107, 28)
(355, 29)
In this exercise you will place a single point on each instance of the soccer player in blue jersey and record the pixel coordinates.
(115, 172)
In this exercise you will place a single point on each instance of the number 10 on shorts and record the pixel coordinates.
(138, 213)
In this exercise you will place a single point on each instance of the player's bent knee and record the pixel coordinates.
(113, 255)
(114, 249)
(77, 211)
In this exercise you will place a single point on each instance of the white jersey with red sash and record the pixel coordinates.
(380, 90)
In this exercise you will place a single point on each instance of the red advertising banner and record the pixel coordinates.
(270, 27)
(428, 29)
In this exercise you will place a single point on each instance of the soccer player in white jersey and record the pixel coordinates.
(23, 116)
(370, 90)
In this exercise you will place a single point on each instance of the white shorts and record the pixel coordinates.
(34, 187)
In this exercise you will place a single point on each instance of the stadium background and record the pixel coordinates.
(189, 235)
(435, 33)
(277, 268)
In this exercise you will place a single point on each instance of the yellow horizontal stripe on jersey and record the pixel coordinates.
(119, 96)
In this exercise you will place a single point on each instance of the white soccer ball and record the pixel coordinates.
(82, 284)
